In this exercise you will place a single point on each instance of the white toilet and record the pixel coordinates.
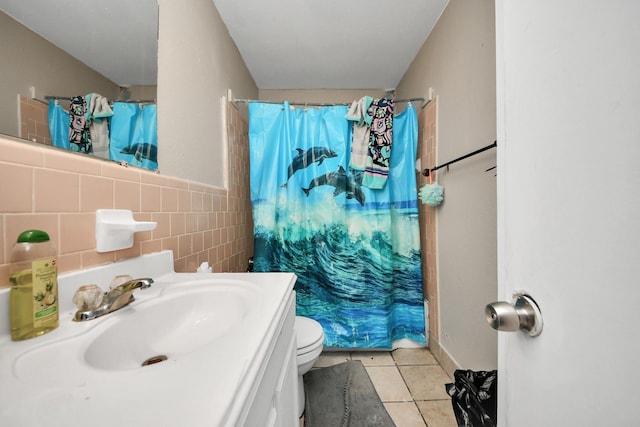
(309, 338)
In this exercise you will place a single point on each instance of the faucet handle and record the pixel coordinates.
(119, 280)
(88, 297)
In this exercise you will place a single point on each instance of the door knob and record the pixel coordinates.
(523, 314)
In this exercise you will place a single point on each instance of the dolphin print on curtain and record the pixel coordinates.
(355, 251)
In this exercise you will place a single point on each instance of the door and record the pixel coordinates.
(568, 99)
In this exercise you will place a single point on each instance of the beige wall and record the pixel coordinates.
(29, 60)
(197, 63)
(458, 62)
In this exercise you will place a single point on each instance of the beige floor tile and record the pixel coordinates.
(426, 382)
(414, 356)
(389, 384)
(330, 358)
(405, 414)
(373, 358)
(438, 413)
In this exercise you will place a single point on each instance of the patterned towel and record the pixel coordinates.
(377, 167)
(79, 138)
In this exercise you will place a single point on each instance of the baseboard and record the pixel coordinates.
(442, 356)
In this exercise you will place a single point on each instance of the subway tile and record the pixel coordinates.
(169, 200)
(93, 258)
(85, 184)
(16, 187)
(56, 191)
(203, 221)
(77, 232)
(116, 171)
(150, 198)
(184, 201)
(171, 244)
(207, 202)
(152, 178)
(127, 195)
(179, 265)
(21, 152)
(131, 252)
(178, 224)
(96, 192)
(191, 222)
(64, 160)
(163, 229)
(197, 201)
(151, 246)
(184, 245)
(197, 242)
(69, 262)
(208, 238)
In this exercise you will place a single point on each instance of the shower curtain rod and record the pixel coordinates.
(131, 101)
(426, 172)
(319, 104)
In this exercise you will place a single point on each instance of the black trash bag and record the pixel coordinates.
(474, 396)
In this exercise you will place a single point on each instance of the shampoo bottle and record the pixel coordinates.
(33, 275)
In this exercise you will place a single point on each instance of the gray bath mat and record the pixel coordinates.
(343, 396)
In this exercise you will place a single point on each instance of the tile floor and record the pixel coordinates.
(410, 383)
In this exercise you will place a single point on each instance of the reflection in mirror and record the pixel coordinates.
(68, 49)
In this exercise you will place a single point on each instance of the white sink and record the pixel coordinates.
(170, 326)
(212, 335)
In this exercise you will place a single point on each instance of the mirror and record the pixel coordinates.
(68, 48)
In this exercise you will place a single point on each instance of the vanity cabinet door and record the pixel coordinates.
(274, 402)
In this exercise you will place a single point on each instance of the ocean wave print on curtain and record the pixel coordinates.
(356, 251)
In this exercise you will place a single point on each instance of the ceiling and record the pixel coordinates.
(329, 44)
(286, 44)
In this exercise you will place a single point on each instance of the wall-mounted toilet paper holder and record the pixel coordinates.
(523, 314)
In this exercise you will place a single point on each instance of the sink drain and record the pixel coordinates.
(155, 359)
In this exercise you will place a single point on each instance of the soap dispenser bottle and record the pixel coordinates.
(33, 296)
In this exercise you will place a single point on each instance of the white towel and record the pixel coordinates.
(359, 115)
(98, 112)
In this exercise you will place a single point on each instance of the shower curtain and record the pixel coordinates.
(133, 132)
(355, 251)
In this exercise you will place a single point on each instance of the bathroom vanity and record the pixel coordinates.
(195, 349)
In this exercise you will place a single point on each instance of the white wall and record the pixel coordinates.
(197, 63)
(458, 62)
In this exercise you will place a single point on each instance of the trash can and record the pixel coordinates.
(474, 397)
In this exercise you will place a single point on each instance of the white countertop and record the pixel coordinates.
(206, 387)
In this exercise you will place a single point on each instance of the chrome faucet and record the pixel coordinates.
(115, 299)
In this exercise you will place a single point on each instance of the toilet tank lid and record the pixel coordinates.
(308, 331)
